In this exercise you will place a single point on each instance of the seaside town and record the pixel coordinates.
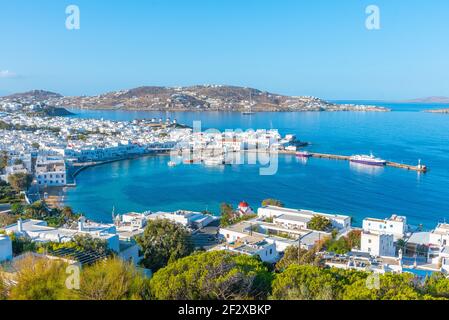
(41, 153)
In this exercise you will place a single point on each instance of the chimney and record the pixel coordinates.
(20, 225)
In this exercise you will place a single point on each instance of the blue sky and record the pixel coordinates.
(297, 47)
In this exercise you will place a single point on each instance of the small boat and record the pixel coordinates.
(214, 161)
(172, 164)
(368, 160)
(303, 154)
(188, 161)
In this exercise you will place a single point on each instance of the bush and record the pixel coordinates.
(113, 279)
(164, 241)
(319, 223)
(214, 275)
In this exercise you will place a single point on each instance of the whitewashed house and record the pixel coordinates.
(378, 244)
(395, 225)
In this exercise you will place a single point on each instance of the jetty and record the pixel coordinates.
(418, 168)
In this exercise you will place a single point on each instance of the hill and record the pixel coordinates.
(193, 98)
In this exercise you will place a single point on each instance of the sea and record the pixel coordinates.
(405, 135)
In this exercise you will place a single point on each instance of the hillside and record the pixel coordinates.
(430, 100)
(34, 95)
(193, 98)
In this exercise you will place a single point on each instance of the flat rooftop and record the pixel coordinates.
(306, 212)
(293, 218)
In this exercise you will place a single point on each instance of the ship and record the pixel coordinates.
(217, 161)
(368, 160)
(303, 154)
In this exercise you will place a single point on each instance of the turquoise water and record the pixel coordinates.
(404, 135)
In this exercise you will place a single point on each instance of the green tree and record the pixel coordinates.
(354, 238)
(3, 159)
(37, 210)
(164, 241)
(272, 202)
(305, 282)
(227, 214)
(39, 279)
(21, 244)
(294, 256)
(17, 208)
(319, 223)
(389, 286)
(437, 285)
(112, 279)
(89, 243)
(213, 275)
(20, 181)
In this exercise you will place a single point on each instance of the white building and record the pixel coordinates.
(303, 216)
(38, 231)
(378, 244)
(440, 236)
(254, 246)
(186, 218)
(5, 248)
(51, 171)
(395, 225)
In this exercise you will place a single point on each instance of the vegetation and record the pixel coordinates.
(343, 244)
(437, 285)
(3, 290)
(79, 243)
(230, 217)
(319, 223)
(294, 256)
(312, 283)
(113, 279)
(54, 217)
(6, 219)
(21, 244)
(216, 275)
(164, 241)
(40, 278)
(391, 287)
(272, 202)
(8, 194)
(20, 181)
(3, 156)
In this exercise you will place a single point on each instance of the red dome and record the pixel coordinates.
(243, 204)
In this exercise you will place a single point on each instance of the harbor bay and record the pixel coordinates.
(404, 136)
